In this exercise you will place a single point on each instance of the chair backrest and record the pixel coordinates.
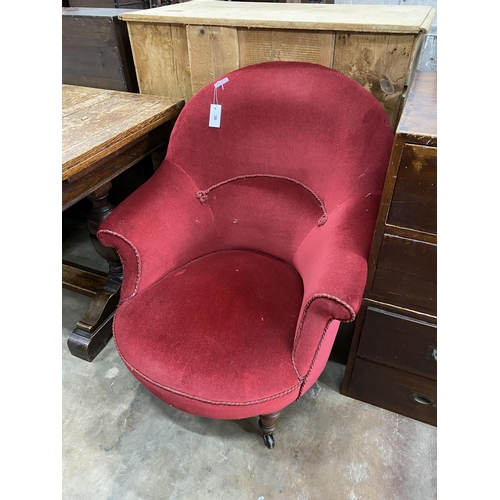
(296, 140)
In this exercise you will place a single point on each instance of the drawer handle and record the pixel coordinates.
(432, 353)
(424, 400)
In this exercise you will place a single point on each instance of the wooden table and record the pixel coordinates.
(104, 132)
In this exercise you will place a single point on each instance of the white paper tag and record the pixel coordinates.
(215, 112)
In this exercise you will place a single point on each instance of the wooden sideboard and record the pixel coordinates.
(393, 357)
(178, 49)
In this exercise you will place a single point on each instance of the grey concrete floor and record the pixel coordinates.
(122, 443)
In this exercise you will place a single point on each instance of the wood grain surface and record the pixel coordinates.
(262, 45)
(213, 52)
(97, 123)
(178, 49)
(420, 113)
(96, 49)
(361, 18)
(379, 63)
(162, 59)
(414, 200)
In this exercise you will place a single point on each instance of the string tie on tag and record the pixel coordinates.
(218, 84)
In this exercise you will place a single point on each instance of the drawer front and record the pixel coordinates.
(399, 341)
(406, 274)
(394, 390)
(414, 200)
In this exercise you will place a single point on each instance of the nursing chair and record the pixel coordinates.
(249, 244)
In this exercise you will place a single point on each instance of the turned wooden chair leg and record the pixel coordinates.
(267, 424)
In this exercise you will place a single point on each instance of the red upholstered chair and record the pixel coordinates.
(249, 244)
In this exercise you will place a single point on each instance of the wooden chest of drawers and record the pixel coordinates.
(393, 358)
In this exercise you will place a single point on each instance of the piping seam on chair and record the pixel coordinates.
(137, 257)
(316, 354)
(192, 180)
(302, 321)
(202, 195)
(312, 229)
(196, 398)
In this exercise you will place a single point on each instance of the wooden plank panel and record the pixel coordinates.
(96, 50)
(213, 52)
(261, 45)
(414, 201)
(104, 83)
(76, 97)
(109, 113)
(92, 64)
(429, 3)
(87, 181)
(380, 63)
(82, 279)
(399, 341)
(394, 390)
(420, 112)
(161, 59)
(105, 122)
(406, 274)
(360, 18)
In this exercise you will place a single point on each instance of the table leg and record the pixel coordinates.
(93, 331)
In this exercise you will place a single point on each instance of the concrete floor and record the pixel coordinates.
(121, 443)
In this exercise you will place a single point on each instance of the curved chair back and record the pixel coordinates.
(296, 140)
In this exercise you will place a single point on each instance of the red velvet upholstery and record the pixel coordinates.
(249, 244)
(229, 317)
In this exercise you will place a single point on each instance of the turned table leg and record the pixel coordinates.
(267, 424)
(93, 331)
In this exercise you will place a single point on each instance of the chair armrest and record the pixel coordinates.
(158, 228)
(332, 261)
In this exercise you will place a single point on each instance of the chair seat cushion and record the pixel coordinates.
(215, 337)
